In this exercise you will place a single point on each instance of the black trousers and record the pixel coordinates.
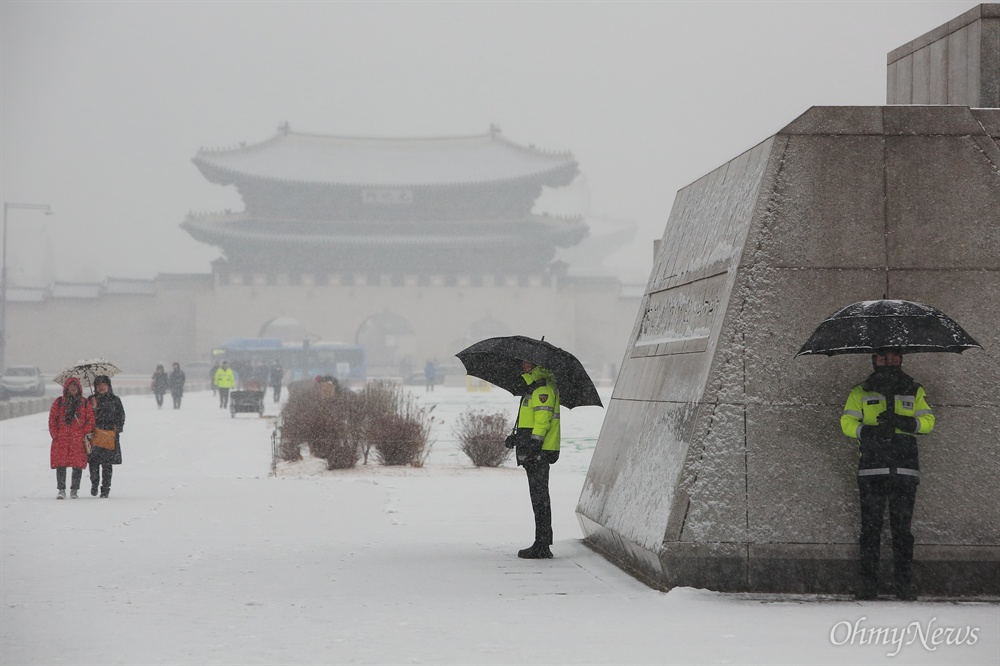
(177, 395)
(95, 475)
(75, 479)
(900, 493)
(538, 488)
(223, 397)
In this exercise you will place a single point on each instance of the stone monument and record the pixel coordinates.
(721, 463)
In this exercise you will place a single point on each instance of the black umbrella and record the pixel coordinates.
(498, 361)
(867, 326)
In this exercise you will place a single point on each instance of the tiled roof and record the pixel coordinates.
(240, 228)
(353, 161)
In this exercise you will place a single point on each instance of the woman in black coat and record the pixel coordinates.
(176, 380)
(108, 415)
(160, 384)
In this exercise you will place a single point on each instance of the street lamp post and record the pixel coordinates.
(3, 274)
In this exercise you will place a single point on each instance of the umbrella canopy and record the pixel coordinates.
(87, 371)
(498, 361)
(867, 326)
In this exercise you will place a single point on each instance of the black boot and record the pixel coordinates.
(867, 589)
(93, 488)
(537, 551)
(905, 591)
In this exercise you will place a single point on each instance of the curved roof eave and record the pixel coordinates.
(220, 238)
(558, 176)
(493, 136)
(216, 234)
(414, 159)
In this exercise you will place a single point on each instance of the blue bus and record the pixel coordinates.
(300, 360)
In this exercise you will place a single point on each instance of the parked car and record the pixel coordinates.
(20, 380)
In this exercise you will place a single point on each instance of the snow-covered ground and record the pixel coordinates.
(201, 557)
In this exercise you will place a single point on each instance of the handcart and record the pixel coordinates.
(249, 400)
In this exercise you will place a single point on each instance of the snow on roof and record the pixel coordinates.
(27, 294)
(378, 162)
(129, 286)
(76, 290)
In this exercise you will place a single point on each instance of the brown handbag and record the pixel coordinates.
(104, 439)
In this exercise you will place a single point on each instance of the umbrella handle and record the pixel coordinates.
(890, 409)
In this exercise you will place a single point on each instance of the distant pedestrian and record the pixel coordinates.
(159, 385)
(211, 378)
(109, 414)
(70, 418)
(176, 381)
(430, 374)
(276, 377)
(224, 381)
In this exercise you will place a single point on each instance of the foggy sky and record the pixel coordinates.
(105, 103)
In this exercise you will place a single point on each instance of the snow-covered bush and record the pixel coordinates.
(317, 416)
(342, 427)
(481, 436)
(393, 425)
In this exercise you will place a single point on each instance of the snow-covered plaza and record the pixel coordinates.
(201, 556)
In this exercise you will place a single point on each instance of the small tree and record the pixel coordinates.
(481, 437)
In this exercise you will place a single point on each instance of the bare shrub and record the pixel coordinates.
(366, 410)
(345, 427)
(289, 449)
(481, 437)
(339, 452)
(394, 426)
(317, 418)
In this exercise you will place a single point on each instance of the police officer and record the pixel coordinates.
(224, 381)
(536, 442)
(888, 471)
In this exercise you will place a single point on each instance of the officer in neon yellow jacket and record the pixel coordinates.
(888, 468)
(224, 381)
(537, 446)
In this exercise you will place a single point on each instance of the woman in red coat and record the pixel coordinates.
(70, 418)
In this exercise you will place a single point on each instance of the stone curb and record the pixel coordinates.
(15, 408)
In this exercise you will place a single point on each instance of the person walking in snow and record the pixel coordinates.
(211, 378)
(224, 381)
(430, 375)
(159, 385)
(70, 419)
(888, 470)
(536, 443)
(176, 382)
(276, 376)
(109, 414)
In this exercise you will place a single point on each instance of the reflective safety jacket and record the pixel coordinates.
(539, 410)
(224, 378)
(899, 455)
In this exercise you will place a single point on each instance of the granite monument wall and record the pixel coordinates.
(721, 463)
(956, 63)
